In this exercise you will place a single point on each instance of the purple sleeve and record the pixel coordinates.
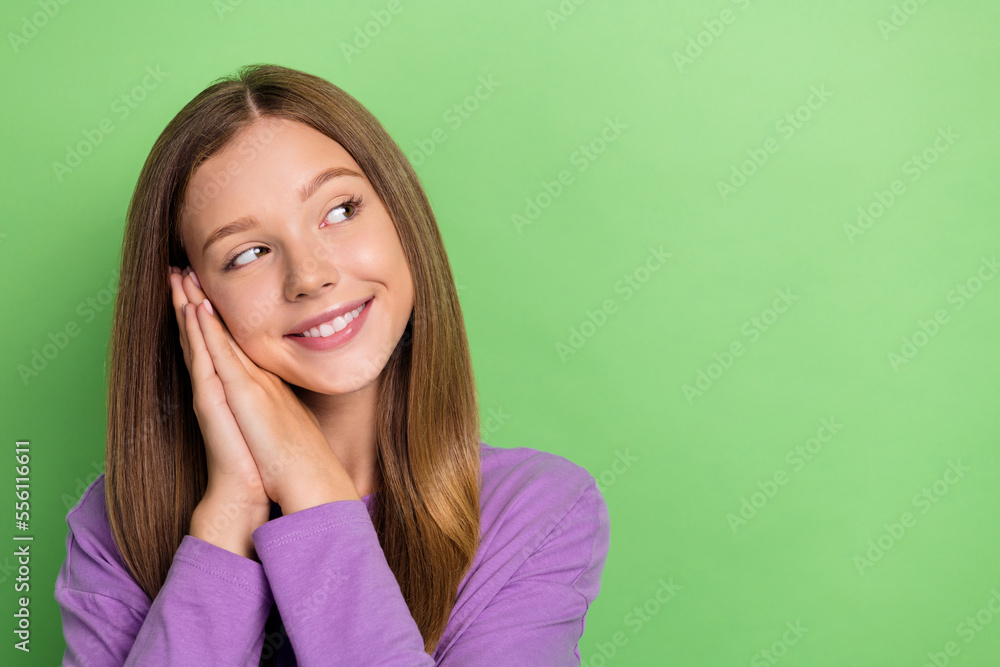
(210, 610)
(341, 604)
(339, 600)
(538, 616)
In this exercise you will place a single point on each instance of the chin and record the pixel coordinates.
(326, 390)
(327, 386)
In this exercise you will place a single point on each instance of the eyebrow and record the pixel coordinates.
(324, 176)
(248, 222)
(239, 225)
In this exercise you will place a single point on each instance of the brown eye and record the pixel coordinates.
(350, 209)
(248, 255)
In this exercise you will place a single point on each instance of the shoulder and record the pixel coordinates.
(544, 537)
(93, 562)
(534, 501)
(525, 475)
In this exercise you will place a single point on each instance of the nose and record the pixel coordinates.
(309, 270)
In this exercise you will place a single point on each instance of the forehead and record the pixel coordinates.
(257, 172)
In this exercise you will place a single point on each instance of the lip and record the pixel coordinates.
(338, 338)
(328, 315)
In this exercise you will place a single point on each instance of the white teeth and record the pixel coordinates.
(336, 324)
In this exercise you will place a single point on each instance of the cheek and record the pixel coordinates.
(245, 313)
(385, 257)
(257, 347)
(400, 272)
(250, 347)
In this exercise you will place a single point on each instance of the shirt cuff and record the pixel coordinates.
(308, 522)
(216, 563)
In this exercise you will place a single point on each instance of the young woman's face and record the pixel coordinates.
(300, 251)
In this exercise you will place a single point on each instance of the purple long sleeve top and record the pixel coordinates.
(544, 541)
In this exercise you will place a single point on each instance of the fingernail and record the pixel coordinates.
(208, 307)
(194, 277)
(183, 309)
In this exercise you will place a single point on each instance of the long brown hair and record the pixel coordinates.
(427, 506)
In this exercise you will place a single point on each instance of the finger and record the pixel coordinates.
(196, 295)
(179, 299)
(225, 446)
(192, 286)
(228, 363)
(202, 364)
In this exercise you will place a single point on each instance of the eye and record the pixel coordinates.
(247, 256)
(352, 206)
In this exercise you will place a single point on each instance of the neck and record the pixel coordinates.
(348, 422)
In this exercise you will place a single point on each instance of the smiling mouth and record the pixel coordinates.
(338, 323)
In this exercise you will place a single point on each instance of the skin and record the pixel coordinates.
(282, 422)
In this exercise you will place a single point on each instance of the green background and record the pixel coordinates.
(893, 75)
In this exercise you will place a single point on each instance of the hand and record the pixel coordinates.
(296, 466)
(232, 470)
(235, 503)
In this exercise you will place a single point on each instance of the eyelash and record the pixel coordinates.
(355, 201)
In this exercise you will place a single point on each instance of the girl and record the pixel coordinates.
(294, 473)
